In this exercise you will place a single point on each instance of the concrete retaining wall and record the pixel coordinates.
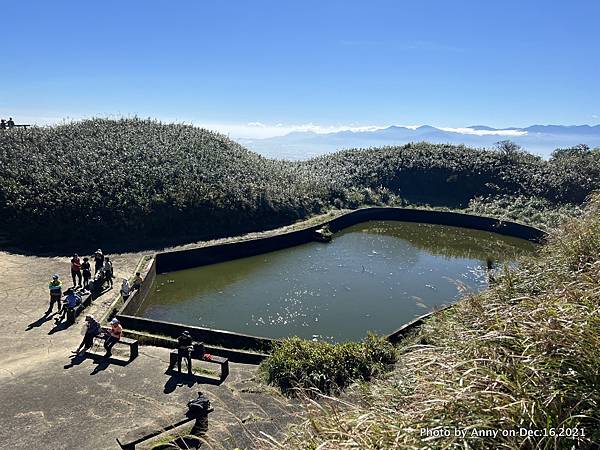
(209, 336)
(134, 302)
(186, 259)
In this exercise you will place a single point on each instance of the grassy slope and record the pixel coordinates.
(525, 353)
(138, 179)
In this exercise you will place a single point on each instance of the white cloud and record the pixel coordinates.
(512, 133)
(259, 130)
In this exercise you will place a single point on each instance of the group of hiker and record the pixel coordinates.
(81, 274)
(7, 124)
(82, 270)
(92, 329)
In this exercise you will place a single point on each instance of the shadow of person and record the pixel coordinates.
(103, 361)
(75, 360)
(41, 321)
(60, 326)
(178, 380)
(101, 364)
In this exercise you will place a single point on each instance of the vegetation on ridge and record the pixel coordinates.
(140, 179)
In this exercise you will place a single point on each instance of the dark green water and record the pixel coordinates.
(373, 276)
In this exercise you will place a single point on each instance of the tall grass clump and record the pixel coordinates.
(521, 358)
(301, 364)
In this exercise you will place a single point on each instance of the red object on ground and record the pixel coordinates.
(207, 356)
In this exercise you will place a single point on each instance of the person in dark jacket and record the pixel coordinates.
(184, 350)
(108, 271)
(92, 329)
(86, 270)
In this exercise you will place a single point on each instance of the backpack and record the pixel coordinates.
(199, 406)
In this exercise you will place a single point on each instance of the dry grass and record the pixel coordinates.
(523, 355)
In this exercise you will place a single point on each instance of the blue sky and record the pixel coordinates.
(306, 63)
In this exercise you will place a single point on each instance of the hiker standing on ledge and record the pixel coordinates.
(10, 123)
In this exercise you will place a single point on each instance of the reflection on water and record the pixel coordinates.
(372, 276)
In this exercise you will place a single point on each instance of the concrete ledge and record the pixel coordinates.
(221, 338)
(234, 355)
(409, 327)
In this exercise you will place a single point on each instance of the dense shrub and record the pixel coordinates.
(327, 367)
(139, 178)
(528, 210)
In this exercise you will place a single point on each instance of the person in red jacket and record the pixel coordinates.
(76, 269)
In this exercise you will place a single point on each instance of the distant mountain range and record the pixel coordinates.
(538, 139)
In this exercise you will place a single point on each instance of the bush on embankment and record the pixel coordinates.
(138, 179)
(298, 363)
(125, 180)
(523, 355)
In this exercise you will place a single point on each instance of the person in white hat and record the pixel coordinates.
(98, 261)
(114, 335)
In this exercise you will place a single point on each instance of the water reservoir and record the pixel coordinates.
(374, 276)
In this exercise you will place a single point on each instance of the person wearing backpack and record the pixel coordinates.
(92, 329)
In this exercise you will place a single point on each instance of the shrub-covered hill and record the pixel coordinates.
(132, 180)
(453, 175)
(141, 178)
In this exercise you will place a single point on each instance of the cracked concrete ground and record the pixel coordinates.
(51, 401)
